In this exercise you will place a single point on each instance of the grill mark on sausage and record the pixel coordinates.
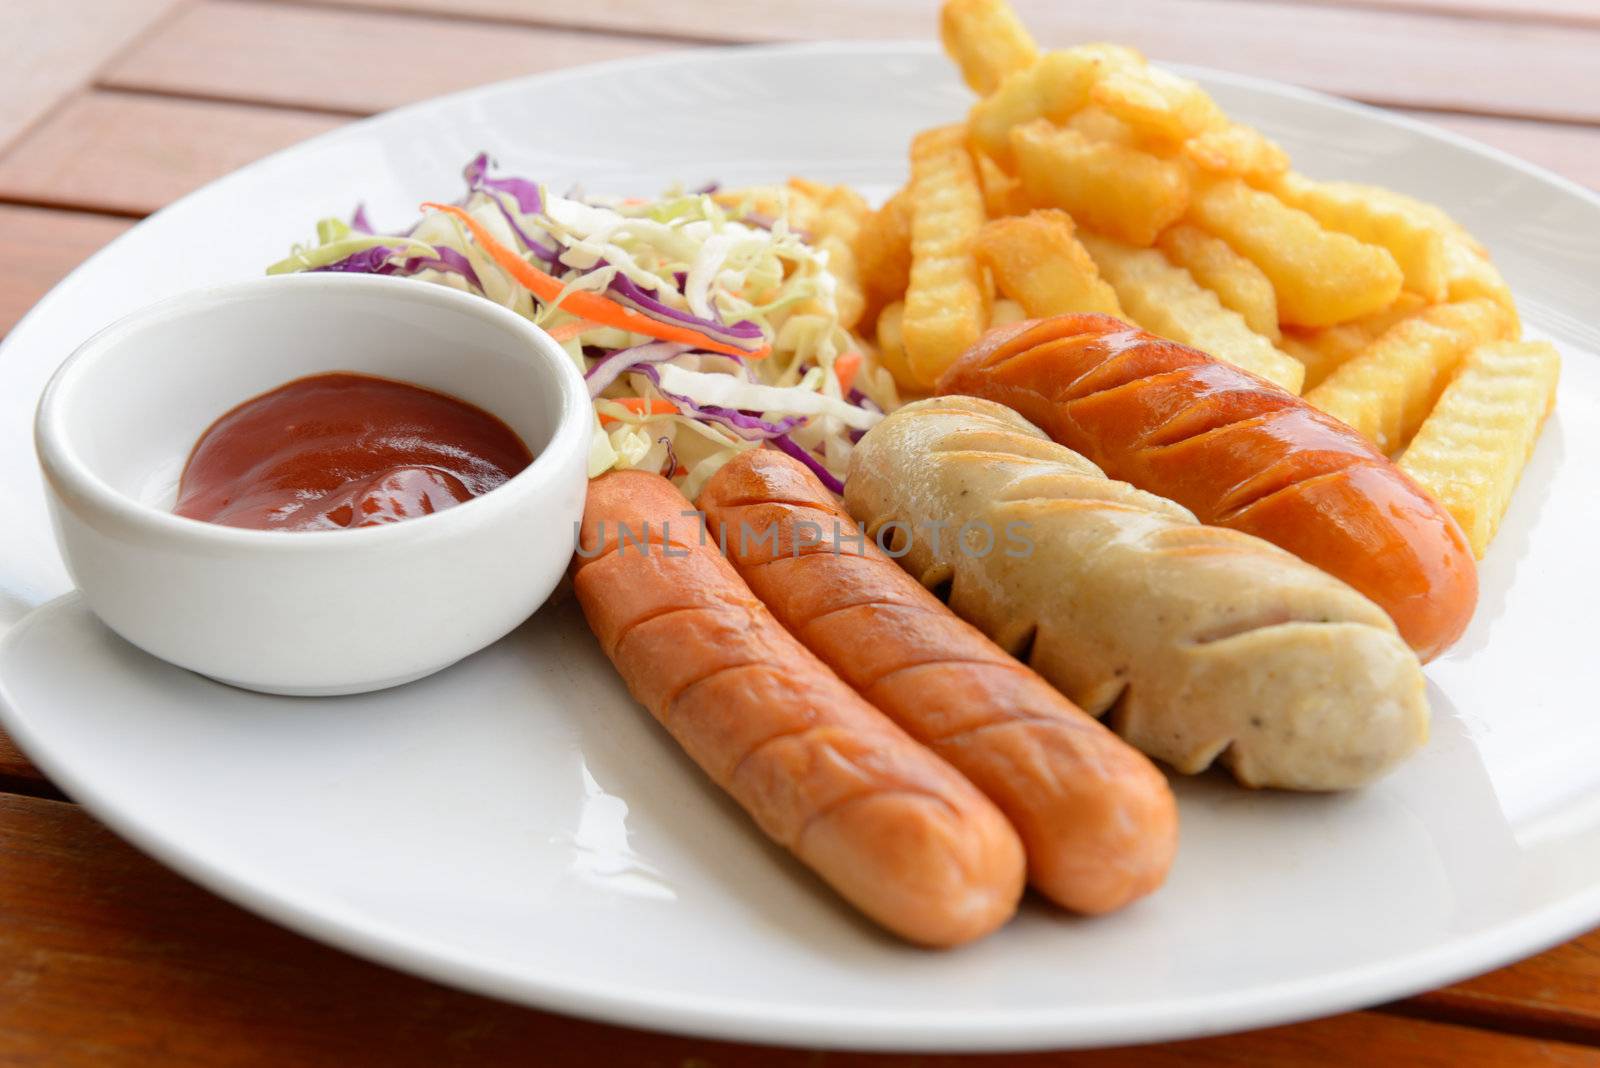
(1260, 398)
(833, 808)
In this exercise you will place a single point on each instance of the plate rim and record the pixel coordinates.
(862, 1028)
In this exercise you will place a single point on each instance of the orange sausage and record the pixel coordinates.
(894, 829)
(1097, 819)
(1237, 452)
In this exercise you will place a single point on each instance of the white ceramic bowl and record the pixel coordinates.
(307, 612)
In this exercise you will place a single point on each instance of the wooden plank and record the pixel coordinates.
(112, 959)
(37, 249)
(1556, 993)
(14, 767)
(56, 47)
(1571, 151)
(1390, 57)
(349, 61)
(115, 152)
(1580, 12)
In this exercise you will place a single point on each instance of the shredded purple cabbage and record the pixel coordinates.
(788, 445)
(861, 400)
(379, 259)
(747, 426)
(448, 260)
(613, 366)
(740, 334)
(526, 193)
(359, 221)
(707, 189)
(548, 253)
(669, 466)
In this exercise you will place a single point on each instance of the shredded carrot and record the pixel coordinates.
(845, 368)
(639, 406)
(585, 305)
(570, 330)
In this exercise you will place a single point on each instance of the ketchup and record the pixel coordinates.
(345, 450)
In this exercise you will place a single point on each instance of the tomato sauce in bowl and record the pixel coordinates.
(342, 450)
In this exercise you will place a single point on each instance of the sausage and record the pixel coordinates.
(1238, 452)
(1197, 643)
(890, 826)
(1097, 819)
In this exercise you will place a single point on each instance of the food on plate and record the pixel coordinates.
(947, 297)
(883, 254)
(1472, 448)
(1166, 300)
(1368, 215)
(1006, 311)
(1233, 150)
(1113, 188)
(1200, 644)
(841, 212)
(889, 825)
(1239, 284)
(704, 322)
(1321, 276)
(1003, 193)
(1053, 88)
(1305, 282)
(1238, 452)
(1325, 347)
(1470, 274)
(1098, 124)
(1160, 105)
(987, 39)
(339, 451)
(1097, 819)
(1388, 388)
(891, 343)
(1037, 262)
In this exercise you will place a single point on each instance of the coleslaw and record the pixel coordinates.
(703, 322)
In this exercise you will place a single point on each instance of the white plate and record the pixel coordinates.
(517, 826)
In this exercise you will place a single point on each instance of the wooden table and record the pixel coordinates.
(111, 108)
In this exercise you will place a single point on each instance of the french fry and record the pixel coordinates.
(1155, 102)
(1233, 150)
(838, 222)
(1238, 283)
(883, 254)
(1052, 88)
(1006, 311)
(1038, 263)
(1098, 124)
(1468, 270)
(1321, 277)
(1352, 209)
(1470, 273)
(1166, 300)
(947, 298)
(892, 349)
(1117, 190)
(1326, 347)
(1387, 388)
(1470, 451)
(986, 40)
(1002, 193)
